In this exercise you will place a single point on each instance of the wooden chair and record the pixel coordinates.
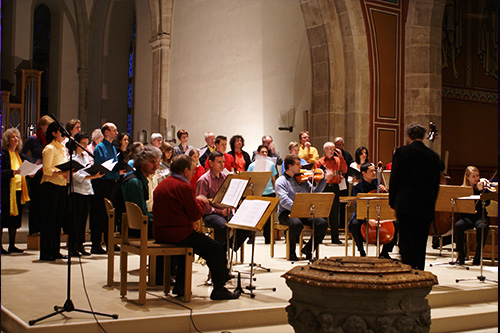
(278, 226)
(144, 248)
(113, 238)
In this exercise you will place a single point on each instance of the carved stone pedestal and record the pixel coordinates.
(353, 294)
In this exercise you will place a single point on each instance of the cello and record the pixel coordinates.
(386, 227)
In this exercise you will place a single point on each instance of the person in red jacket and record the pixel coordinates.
(175, 209)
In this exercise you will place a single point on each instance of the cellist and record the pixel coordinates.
(369, 183)
(469, 221)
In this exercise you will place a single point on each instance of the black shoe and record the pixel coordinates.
(267, 241)
(4, 251)
(223, 294)
(362, 253)
(117, 248)
(384, 255)
(460, 260)
(475, 262)
(47, 258)
(308, 253)
(97, 250)
(178, 290)
(293, 257)
(74, 253)
(13, 249)
(60, 256)
(83, 252)
(337, 241)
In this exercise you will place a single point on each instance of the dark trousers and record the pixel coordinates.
(35, 203)
(355, 228)
(81, 204)
(335, 210)
(465, 224)
(103, 188)
(218, 223)
(54, 205)
(413, 233)
(210, 250)
(295, 226)
(267, 227)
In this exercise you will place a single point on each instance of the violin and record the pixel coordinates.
(490, 186)
(305, 175)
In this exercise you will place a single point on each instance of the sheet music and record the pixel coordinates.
(109, 164)
(250, 213)
(470, 197)
(27, 168)
(342, 185)
(234, 192)
(260, 163)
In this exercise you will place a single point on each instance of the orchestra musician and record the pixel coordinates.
(286, 188)
(469, 221)
(175, 208)
(369, 183)
(414, 183)
(216, 216)
(334, 161)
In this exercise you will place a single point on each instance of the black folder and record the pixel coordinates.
(70, 165)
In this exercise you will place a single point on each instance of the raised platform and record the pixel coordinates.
(31, 288)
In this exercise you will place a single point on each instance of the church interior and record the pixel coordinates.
(357, 69)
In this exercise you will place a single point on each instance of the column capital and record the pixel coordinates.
(162, 40)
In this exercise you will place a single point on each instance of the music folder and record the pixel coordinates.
(123, 166)
(70, 165)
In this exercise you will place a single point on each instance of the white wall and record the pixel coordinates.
(235, 65)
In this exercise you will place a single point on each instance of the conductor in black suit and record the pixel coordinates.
(414, 187)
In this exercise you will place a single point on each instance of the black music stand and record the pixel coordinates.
(348, 200)
(449, 200)
(377, 204)
(256, 226)
(257, 182)
(68, 304)
(484, 197)
(312, 205)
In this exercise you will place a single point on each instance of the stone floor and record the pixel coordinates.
(31, 288)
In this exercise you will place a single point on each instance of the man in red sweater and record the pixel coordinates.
(175, 208)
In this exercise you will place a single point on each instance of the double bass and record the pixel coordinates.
(442, 220)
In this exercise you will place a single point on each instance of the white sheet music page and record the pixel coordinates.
(234, 192)
(250, 213)
(27, 168)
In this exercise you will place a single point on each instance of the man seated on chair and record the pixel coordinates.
(216, 216)
(175, 209)
(369, 183)
(286, 188)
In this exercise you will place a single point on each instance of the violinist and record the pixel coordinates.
(369, 183)
(286, 188)
(469, 221)
(334, 161)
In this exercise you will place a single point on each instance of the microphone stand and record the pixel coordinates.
(68, 304)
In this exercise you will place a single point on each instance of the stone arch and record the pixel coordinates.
(423, 63)
(340, 71)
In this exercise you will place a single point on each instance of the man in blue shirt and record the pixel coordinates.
(104, 187)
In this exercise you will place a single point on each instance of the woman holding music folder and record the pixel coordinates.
(53, 187)
(80, 197)
(469, 221)
(14, 188)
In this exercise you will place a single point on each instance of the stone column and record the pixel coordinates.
(423, 64)
(160, 45)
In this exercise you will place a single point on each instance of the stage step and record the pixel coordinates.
(464, 317)
(453, 309)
